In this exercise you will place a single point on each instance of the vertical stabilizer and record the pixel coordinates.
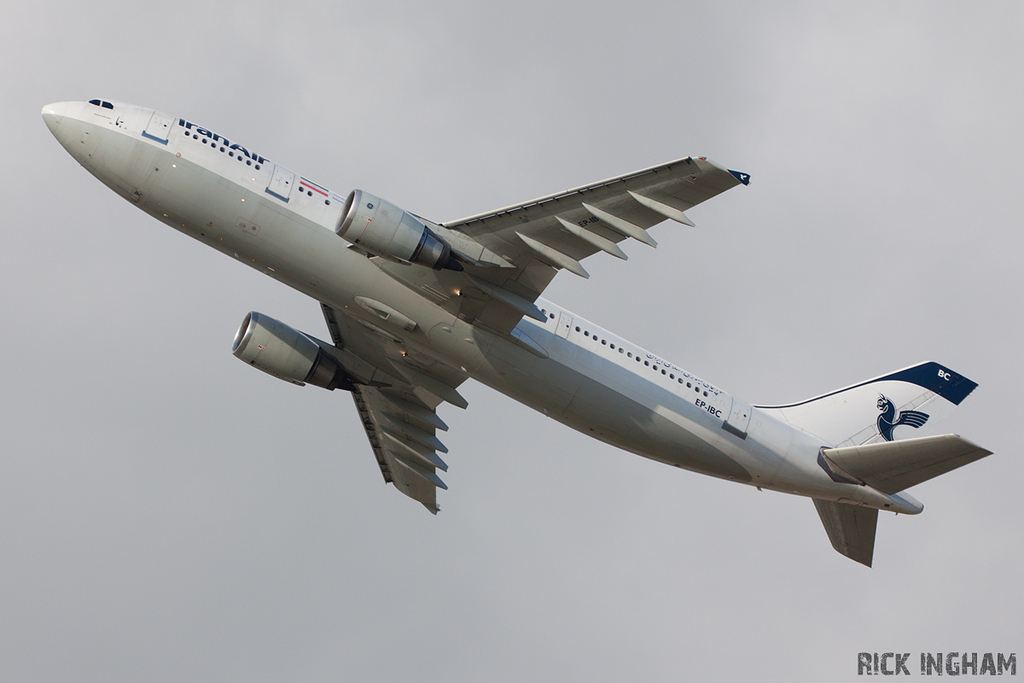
(880, 409)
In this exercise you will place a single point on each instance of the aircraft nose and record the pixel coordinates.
(52, 115)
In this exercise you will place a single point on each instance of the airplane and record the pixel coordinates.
(414, 308)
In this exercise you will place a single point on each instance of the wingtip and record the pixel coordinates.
(740, 176)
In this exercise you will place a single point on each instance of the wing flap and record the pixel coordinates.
(682, 183)
(517, 250)
(666, 210)
(433, 385)
(553, 255)
(539, 237)
(398, 412)
(621, 225)
(407, 464)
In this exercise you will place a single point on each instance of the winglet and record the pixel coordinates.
(740, 176)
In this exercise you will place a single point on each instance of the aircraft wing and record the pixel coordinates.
(396, 393)
(516, 251)
(410, 464)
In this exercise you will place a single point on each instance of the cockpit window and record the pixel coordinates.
(100, 103)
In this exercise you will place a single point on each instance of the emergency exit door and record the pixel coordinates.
(281, 182)
(564, 323)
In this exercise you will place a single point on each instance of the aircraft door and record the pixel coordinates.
(564, 324)
(739, 419)
(159, 127)
(281, 183)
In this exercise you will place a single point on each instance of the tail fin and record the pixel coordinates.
(889, 467)
(859, 422)
(870, 411)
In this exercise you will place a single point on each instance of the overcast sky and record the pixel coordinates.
(168, 514)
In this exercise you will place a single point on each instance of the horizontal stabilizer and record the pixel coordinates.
(851, 528)
(892, 466)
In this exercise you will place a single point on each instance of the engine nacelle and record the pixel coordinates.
(286, 353)
(381, 228)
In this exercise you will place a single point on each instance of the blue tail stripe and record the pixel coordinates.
(934, 377)
(931, 376)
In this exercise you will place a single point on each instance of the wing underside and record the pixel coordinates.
(509, 256)
(402, 438)
(396, 394)
(512, 254)
(558, 231)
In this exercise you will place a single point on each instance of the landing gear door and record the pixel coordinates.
(281, 183)
(159, 127)
(564, 324)
(739, 419)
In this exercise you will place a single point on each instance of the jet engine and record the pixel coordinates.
(286, 353)
(383, 229)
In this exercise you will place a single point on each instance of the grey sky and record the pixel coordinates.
(168, 514)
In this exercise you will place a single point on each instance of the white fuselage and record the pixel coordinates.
(229, 197)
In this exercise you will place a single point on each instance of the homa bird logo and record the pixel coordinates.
(913, 418)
